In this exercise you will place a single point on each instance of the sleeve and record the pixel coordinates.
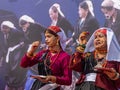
(117, 82)
(76, 62)
(66, 79)
(30, 61)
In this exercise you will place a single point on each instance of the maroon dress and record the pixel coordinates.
(59, 65)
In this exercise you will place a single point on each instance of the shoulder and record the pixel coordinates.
(64, 55)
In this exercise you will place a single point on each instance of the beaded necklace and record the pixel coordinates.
(101, 61)
(51, 61)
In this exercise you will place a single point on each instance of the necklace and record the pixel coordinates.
(100, 57)
(52, 61)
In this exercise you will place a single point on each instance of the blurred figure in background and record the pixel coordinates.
(32, 31)
(111, 10)
(58, 19)
(87, 20)
(15, 76)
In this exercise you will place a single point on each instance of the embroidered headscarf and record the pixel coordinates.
(61, 34)
(113, 48)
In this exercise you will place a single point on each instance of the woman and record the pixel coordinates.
(54, 60)
(100, 64)
(87, 20)
(58, 19)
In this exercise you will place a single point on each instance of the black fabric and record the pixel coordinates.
(89, 64)
(87, 86)
(37, 84)
(42, 70)
(15, 75)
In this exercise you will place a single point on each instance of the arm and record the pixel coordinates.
(76, 62)
(29, 59)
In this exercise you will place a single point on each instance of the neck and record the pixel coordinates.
(99, 54)
(55, 49)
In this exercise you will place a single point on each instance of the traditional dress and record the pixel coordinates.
(91, 79)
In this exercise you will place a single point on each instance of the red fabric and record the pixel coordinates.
(104, 31)
(102, 80)
(59, 67)
(55, 29)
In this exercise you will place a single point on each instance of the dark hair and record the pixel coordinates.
(51, 32)
(84, 5)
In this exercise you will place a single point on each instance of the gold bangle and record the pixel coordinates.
(116, 76)
(30, 54)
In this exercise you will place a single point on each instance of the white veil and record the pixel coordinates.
(113, 48)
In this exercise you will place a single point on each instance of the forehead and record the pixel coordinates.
(48, 33)
(5, 27)
(99, 33)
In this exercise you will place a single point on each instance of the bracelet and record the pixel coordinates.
(116, 76)
(30, 54)
(83, 45)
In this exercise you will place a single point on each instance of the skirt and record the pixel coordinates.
(87, 86)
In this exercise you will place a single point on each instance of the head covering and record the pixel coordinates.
(116, 4)
(58, 8)
(111, 3)
(8, 24)
(90, 6)
(61, 34)
(113, 48)
(26, 18)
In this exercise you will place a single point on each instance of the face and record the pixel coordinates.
(53, 15)
(50, 39)
(100, 41)
(108, 13)
(5, 29)
(82, 12)
(25, 26)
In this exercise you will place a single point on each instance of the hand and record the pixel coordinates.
(39, 77)
(45, 79)
(51, 79)
(32, 48)
(110, 72)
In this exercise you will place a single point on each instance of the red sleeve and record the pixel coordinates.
(76, 62)
(28, 62)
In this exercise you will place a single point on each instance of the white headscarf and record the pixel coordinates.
(27, 19)
(116, 4)
(8, 24)
(113, 3)
(90, 6)
(58, 8)
(113, 48)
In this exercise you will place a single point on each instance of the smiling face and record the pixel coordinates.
(100, 41)
(50, 39)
